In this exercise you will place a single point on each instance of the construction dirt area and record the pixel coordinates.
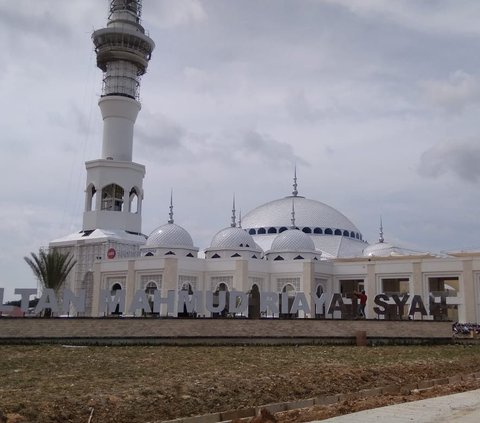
(48, 383)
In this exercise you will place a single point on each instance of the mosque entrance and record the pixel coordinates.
(116, 287)
(254, 303)
(318, 293)
(222, 287)
(286, 298)
(184, 314)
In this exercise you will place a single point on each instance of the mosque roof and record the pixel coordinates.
(308, 213)
(169, 235)
(293, 240)
(233, 238)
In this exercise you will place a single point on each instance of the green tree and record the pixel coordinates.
(51, 268)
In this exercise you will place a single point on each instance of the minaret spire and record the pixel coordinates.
(293, 214)
(240, 218)
(171, 208)
(380, 238)
(295, 186)
(234, 217)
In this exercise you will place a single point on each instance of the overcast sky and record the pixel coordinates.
(377, 101)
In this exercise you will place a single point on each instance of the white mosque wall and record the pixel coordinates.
(300, 275)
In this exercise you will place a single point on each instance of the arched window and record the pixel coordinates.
(133, 201)
(116, 287)
(261, 231)
(338, 232)
(328, 231)
(317, 231)
(252, 231)
(189, 255)
(272, 230)
(112, 198)
(254, 256)
(90, 204)
(345, 233)
(298, 258)
(352, 234)
(149, 254)
(307, 230)
(170, 253)
(215, 256)
(282, 229)
(278, 258)
(150, 288)
(357, 236)
(236, 255)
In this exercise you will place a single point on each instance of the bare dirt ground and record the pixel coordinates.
(151, 384)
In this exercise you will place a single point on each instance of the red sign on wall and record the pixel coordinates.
(111, 253)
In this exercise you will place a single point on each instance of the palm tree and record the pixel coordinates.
(51, 268)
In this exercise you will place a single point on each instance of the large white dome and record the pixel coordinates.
(293, 240)
(233, 238)
(169, 235)
(318, 217)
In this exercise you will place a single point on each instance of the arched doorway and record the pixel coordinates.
(254, 303)
(289, 291)
(184, 314)
(150, 290)
(318, 293)
(222, 287)
(116, 287)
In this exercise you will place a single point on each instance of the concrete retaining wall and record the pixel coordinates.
(211, 331)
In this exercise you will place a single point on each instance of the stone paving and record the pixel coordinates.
(457, 408)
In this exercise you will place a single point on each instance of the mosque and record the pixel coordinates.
(286, 246)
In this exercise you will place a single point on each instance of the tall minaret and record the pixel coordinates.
(112, 218)
(114, 190)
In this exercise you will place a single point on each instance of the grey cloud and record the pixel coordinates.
(300, 108)
(167, 136)
(454, 94)
(173, 13)
(39, 24)
(268, 150)
(161, 134)
(458, 157)
(423, 16)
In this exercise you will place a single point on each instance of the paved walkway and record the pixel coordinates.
(458, 408)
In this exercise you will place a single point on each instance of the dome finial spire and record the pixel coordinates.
(380, 238)
(295, 186)
(293, 214)
(234, 217)
(170, 214)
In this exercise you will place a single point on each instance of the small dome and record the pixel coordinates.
(233, 238)
(293, 240)
(170, 235)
